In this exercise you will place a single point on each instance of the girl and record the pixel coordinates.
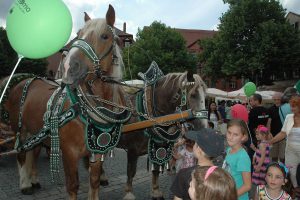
(214, 115)
(237, 161)
(212, 183)
(186, 155)
(276, 177)
(261, 158)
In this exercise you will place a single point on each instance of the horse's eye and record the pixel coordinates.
(104, 36)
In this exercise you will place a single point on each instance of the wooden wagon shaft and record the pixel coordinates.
(172, 118)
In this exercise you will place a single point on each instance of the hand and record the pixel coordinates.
(252, 146)
(257, 168)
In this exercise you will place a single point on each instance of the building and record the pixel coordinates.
(294, 19)
(54, 60)
(192, 38)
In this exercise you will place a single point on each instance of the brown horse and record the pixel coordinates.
(167, 96)
(94, 62)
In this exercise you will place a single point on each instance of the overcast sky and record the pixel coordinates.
(189, 14)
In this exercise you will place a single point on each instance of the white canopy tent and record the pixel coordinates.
(237, 94)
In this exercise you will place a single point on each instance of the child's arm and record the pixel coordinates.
(246, 187)
(256, 194)
(262, 148)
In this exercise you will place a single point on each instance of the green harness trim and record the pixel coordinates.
(99, 137)
(17, 78)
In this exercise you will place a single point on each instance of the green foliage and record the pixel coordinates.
(162, 44)
(254, 38)
(9, 58)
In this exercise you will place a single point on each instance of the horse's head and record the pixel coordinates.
(95, 53)
(174, 92)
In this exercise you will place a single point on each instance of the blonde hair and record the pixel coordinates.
(240, 123)
(217, 185)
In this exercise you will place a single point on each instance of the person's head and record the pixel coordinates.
(212, 106)
(295, 104)
(276, 175)
(211, 125)
(255, 100)
(222, 103)
(237, 132)
(212, 183)
(287, 94)
(208, 143)
(228, 103)
(277, 98)
(261, 132)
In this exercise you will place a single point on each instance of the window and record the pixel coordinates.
(232, 84)
(296, 25)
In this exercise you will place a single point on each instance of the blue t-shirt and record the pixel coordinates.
(284, 110)
(235, 164)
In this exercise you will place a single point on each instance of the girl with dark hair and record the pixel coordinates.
(214, 115)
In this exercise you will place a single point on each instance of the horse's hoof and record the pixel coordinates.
(36, 186)
(104, 183)
(27, 191)
(158, 198)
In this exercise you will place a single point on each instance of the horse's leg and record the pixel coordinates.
(34, 173)
(103, 178)
(94, 180)
(131, 171)
(70, 162)
(24, 161)
(156, 193)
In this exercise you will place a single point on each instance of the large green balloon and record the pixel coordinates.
(38, 28)
(249, 89)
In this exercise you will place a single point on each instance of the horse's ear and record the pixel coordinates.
(86, 17)
(110, 16)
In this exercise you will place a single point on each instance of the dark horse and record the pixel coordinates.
(168, 94)
(95, 62)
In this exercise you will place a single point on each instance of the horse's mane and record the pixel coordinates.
(179, 78)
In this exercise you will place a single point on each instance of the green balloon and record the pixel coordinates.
(298, 86)
(249, 89)
(38, 28)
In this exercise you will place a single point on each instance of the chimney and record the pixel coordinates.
(124, 27)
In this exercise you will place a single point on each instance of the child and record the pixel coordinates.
(261, 158)
(276, 177)
(186, 155)
(212, 183)
(237, 161)
(208, 145)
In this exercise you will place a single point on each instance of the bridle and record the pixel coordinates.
(90, 53)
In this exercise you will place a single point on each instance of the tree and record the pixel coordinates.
(8, 59)
(162, 44)
(254, 41)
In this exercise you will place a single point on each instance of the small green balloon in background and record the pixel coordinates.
(298, 86)
(249, 89)
(38, 28)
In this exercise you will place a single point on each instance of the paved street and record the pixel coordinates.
(115, 169)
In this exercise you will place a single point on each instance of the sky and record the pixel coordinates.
(186, 14)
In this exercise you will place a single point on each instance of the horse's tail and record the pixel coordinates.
(17, 78)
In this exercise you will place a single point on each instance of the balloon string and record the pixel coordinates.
(248, 108)
(3, 92)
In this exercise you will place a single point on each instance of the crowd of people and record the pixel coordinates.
(261, 155)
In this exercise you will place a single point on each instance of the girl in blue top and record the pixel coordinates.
(237, 161)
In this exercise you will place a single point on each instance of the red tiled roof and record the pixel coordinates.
(192, 36)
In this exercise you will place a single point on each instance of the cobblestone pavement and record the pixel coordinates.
(115, 170)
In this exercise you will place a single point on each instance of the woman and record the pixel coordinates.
(214, 115)
(291, 130)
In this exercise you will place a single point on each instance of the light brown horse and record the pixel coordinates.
(93, 62)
